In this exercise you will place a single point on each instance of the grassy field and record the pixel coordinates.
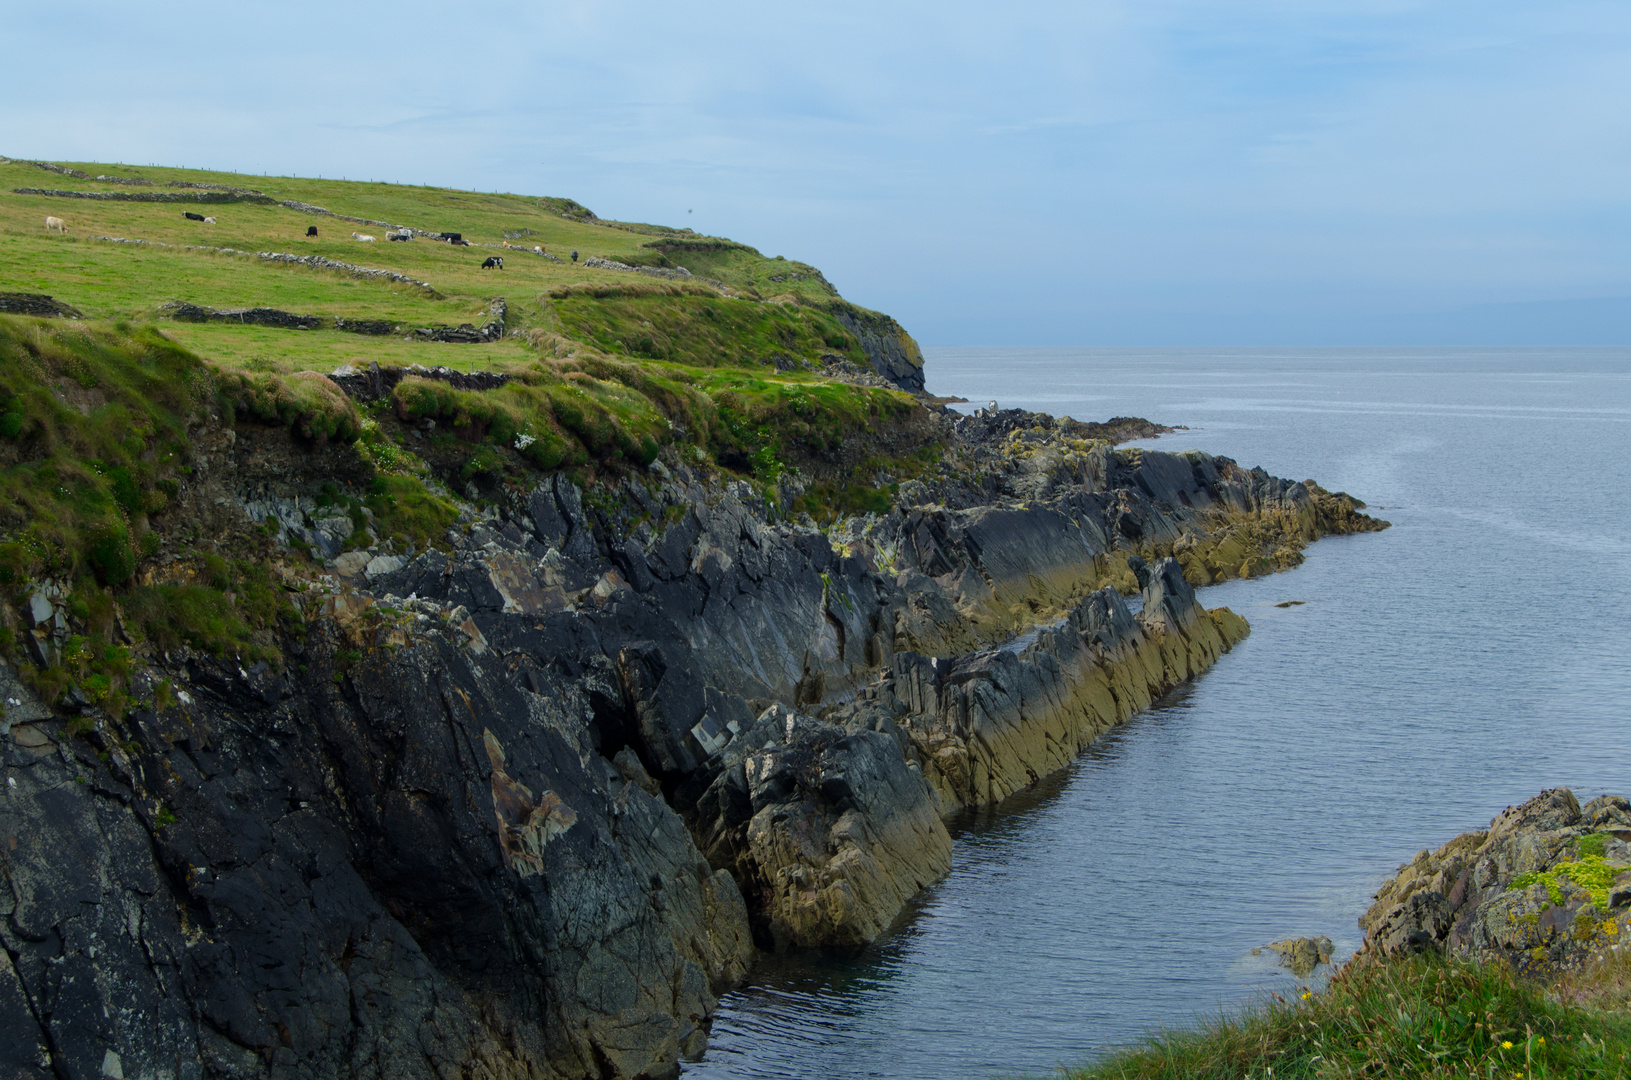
(132, 281)
(756, 323)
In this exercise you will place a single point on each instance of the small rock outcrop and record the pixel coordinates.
(830, 828)
(1302, 955)
(1545, 888)
(40, 306)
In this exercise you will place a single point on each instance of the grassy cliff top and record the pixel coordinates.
(776, 309)
(729, 364)
(113, 410)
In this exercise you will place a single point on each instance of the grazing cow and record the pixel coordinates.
(493, 262)
(190, 216)
(209, 221)
(55, 224)
(537, 249)
(311, 230)
(364, 237)
(574, 256)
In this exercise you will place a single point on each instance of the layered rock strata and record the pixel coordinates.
(1545, 888)
(992, 723)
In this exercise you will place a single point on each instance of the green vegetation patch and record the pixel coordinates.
(548, 416)
(1406, 1018)
(703, 330)
(93, 430)
(407, 512)
(305, 402)
(1590, 872)
(232, 613)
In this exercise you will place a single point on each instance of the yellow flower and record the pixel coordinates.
(1541, 1041)
(1307, 994)
(1507, 1045)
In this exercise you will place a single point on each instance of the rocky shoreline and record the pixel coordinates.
(526, 803)
(1545, 890)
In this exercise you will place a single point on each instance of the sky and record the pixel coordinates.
(1102, 172)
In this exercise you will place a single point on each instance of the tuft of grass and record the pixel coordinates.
(235, 612)
(305, 402)
(102, 430)
(1418, 1017)
(548, 417)
(407, 512)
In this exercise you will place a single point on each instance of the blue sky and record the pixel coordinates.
(1150, 172)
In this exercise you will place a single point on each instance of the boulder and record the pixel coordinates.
(1303, 955)
(829, 830)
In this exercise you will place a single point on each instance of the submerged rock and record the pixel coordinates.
(1302, 955)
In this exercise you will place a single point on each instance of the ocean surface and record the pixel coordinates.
(1459, 662)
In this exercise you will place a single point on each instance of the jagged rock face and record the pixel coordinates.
(1544, 889)
(992, 723)
(830, 829)
(893, 353)
(417, 871)
(532, 825)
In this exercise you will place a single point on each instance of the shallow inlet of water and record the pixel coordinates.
(1476, 652)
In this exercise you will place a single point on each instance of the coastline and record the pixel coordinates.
(737, 722)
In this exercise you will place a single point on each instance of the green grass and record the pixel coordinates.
(132, 281)
(1408, 1018)
(94, 436)
(406, 512)
(704, 331)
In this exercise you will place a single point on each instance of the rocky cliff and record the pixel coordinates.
(524, 801)
(1546, 888)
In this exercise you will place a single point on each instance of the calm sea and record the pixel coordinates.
(1478, 651)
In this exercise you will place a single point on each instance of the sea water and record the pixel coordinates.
(1434, 673)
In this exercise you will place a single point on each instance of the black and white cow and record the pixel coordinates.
(493, 262)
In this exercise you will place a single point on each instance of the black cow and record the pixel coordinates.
(311, 230)
(190, 216)
(494, 262)
(574, 256)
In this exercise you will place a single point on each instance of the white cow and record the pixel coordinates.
(363, 237)
(209, 221)
(55, 224)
